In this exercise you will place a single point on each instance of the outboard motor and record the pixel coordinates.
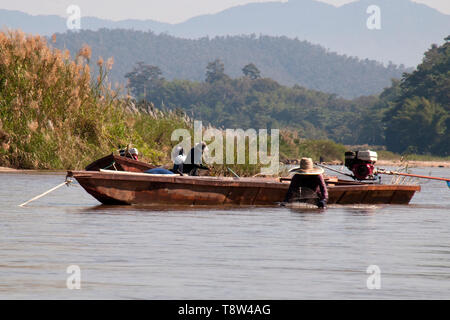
(361, 163)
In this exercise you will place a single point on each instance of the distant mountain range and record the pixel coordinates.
(288, 61)
(407, 28)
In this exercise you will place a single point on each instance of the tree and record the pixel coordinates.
(419, 125)
(215, 71)
(251, 71)
(419, 116)
(298, 62)
(144, 79)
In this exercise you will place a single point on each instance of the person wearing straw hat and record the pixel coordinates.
(308, 185)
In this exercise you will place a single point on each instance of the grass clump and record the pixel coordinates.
(54, 116)
(294, 147)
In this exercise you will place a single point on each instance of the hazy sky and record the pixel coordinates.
(172, 11)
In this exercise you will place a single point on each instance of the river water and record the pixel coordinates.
(242, 253)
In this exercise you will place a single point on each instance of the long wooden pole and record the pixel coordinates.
(331, 169)
(233, 172)
(45, 193)
(411, 175)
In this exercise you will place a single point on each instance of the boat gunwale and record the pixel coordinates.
(223, 181)
(114, 158)
(191, 180)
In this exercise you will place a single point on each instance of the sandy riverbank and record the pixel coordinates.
(12, 170)
(412, 164)
(398, 163)
(380, 163)
(5, 169)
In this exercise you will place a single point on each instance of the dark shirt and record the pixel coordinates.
(194, 156)
(315, 183)
(193, 162)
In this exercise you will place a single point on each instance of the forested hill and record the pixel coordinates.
(288, 61)
(417, 109)
(412, 115)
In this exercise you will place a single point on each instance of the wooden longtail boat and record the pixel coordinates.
(118, 163)
(131, 188)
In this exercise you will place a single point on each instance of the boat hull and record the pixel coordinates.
(115, 162)
(143, 189)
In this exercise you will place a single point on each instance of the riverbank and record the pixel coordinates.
(414, 163)
(5, 169)
(398, 163)
(380, 163)
(12, 170)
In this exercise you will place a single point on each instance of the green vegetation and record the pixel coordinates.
(53, 116)
(291, 147)
(254, 102)
(418, 113)
(287, 61)
(294, 147)
(412, 116)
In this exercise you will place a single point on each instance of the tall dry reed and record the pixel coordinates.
(54, 116)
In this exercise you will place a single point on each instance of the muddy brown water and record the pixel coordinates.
(220, 253)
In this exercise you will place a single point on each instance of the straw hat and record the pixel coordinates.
(307, 167)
